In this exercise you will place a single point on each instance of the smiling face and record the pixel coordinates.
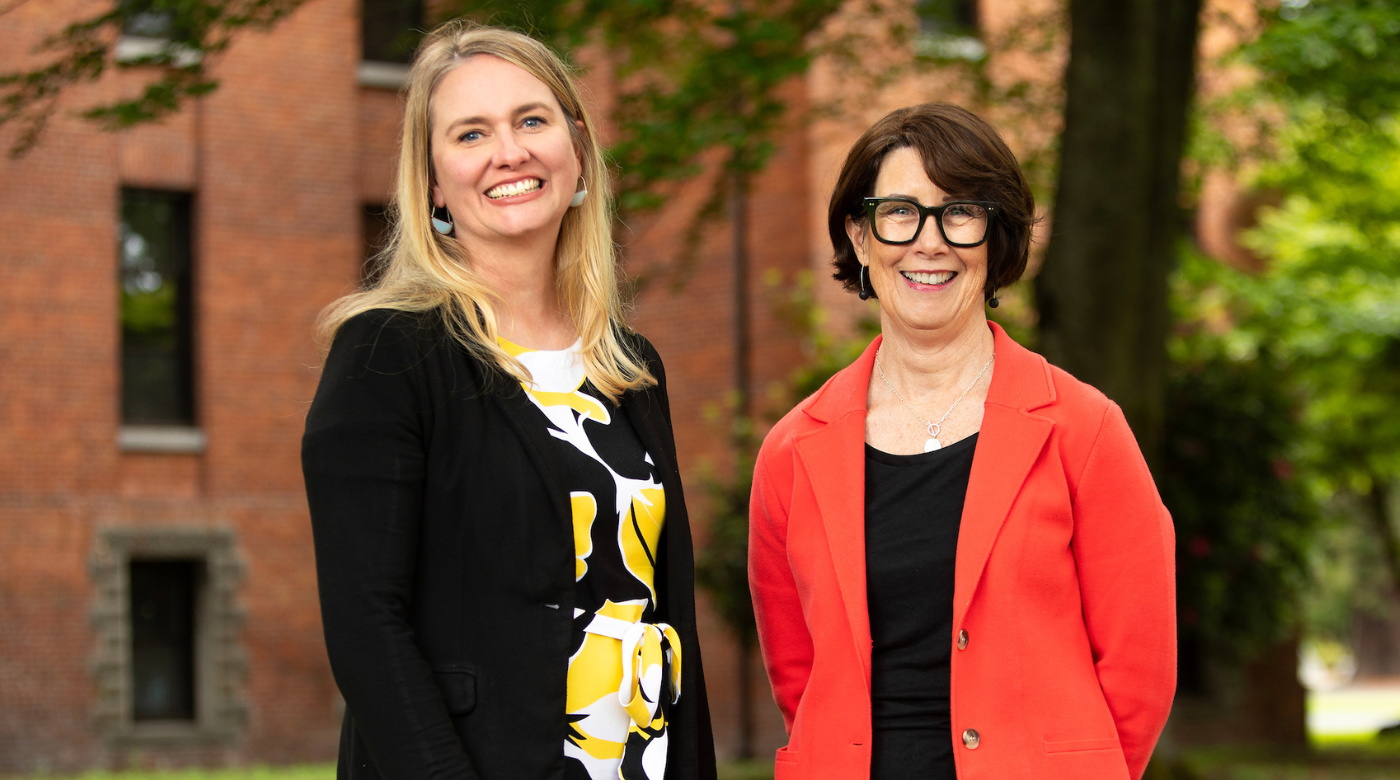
(504, 162)
(927, 285)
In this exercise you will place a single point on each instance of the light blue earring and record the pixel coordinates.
(443, 226)
(580, 195)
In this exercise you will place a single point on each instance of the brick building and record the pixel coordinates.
(157, 591)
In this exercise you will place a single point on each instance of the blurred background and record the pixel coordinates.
(189, 182)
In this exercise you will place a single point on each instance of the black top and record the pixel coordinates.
(446, 561)
(913, 507)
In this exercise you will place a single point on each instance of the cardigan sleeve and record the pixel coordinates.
(363, 458)
(784, 640)
(1124, 549)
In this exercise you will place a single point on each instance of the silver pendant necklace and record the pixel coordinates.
(933, 428)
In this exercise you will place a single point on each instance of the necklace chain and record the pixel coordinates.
(933, 428)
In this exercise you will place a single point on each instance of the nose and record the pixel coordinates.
(510, 153)
(931, 237)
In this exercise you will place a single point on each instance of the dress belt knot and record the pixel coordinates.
(651, 659)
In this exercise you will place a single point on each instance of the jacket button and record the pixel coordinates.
(971, 740)
(962, 639)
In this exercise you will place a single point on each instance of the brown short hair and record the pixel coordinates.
(965, 157)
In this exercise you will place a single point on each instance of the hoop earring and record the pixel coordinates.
(580, 195)
(443, 226)
(864, 293)
(993, 302)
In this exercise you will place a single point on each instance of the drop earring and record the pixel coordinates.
(864, 293)
(993, 302)
(443, 226)
(580, 195)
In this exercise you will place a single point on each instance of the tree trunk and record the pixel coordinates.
(1102, 294)
(1375, 637)
(1378, 501)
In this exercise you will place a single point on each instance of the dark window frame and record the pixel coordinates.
(950, 30)
(164, 609)
(141, 20)
(220, 662)
(957, 18)
(135, 407)
(391, 29)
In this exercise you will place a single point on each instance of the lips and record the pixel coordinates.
(929, 277)
(514, 188)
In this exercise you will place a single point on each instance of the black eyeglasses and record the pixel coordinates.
(963, 223)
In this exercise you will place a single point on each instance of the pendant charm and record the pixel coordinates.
(932, 444)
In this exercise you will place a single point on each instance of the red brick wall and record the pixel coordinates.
(270, 158)
(280, 159)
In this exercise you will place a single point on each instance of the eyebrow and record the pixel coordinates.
(481, 120)
(946, 198)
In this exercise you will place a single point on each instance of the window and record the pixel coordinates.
(163, 598)
(151, 29)
(143, 19)
(168, 666)
(948, 29)
(157, 335)
(390, 29)
(375, 226)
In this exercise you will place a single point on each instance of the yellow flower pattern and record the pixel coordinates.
(624, 672)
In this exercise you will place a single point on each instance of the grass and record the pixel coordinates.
(1352, 757)
(312, 772)
(739, 770)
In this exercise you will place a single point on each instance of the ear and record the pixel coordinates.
(855, 231)
(436, 193)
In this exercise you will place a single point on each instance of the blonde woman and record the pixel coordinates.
(502, 549)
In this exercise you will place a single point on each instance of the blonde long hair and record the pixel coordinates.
(425, 271)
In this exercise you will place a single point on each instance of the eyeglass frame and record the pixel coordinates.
(991, 206)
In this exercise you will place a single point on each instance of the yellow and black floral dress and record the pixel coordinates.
(624, 668)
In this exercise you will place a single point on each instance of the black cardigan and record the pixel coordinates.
(445, 561)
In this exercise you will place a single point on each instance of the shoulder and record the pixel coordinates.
(1085, 419)
(1076, 400)
(640, 345)
(386, 340)
(1078, 410)
(641, 348)
(795, 424)
(377, 324)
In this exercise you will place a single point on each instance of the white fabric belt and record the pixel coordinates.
(639, 691)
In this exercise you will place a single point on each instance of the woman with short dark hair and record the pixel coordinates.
(959, 562)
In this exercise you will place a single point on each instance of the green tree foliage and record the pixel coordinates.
(1244, 518)
(1302, 358)
(188, 32)
(1343, 52)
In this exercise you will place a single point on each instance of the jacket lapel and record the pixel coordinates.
(834, 458)
(643, 409)
(1010, 442)
(532, 427)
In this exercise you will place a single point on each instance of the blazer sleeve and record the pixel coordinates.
(1124, 549)
(363, 458)
(783, 637)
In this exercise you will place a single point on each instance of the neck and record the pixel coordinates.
(523, 277)
(933, 362)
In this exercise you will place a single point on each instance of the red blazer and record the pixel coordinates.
(1063, 584)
